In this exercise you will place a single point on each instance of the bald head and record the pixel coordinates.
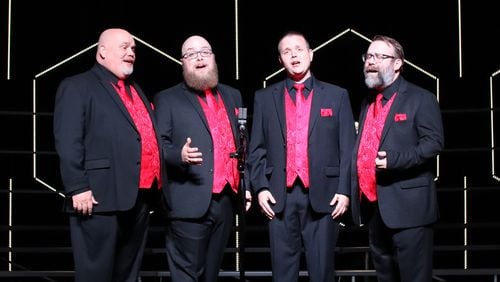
(195, 43)
(116, 52)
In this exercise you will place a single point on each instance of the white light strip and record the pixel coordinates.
(273, 74)
(437, 159)
(331, 39)
(315, 49)
(34, 128)
(492, 128)
(237, 239)
(237, 77)
(10, 224)
(34, 142)
(437, 90)
(492, 133)
(361, 35)
(236, 35)
(66, 60)
(158, 50)
(9, 27)
(420, 69)
(50, 187)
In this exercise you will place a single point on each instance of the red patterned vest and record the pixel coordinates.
(225, 167)
(368, 148)
(297, 130)
(150, 156)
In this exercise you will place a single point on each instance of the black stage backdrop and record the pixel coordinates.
(451, 49)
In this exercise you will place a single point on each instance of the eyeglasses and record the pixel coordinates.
(194, 55)
(377, 56)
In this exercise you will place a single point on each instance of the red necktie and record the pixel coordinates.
(122, 89)
(299, 97)
(378, 104)
(212, 104)
(301, 158)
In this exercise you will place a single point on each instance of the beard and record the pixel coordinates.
(128, 70)
(204, 81)
(380, 80)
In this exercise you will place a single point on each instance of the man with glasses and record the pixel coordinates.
(400, 135)
(198, 126)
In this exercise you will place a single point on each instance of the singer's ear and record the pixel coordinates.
(101, 51)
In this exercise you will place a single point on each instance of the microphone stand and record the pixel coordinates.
(240, 155)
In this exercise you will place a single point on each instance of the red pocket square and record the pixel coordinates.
(326, 112)
(237, 111)
(399, 117)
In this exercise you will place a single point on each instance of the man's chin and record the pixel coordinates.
(372, 82)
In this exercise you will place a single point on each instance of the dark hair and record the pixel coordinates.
(400, 54)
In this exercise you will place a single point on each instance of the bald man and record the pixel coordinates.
(106, 140)
(197, 121)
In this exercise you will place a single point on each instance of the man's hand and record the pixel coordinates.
(381, 160)
(342, 203)
(191, 155)
(84, 202)
(248, 200)
(265, 199)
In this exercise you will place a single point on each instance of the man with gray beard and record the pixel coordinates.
(198, 126)
(400, 135)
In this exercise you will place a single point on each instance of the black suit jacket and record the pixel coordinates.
(331, 140)
(97, 141)
(412, 137)
(180, 115)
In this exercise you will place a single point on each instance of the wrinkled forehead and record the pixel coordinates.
(195, 43)
(380, 47)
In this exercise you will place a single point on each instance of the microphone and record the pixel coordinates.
(242, 118)
(240, 153)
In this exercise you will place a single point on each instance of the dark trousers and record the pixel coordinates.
(297, 227)
(109, 246)
(399, 255)
(195, 247)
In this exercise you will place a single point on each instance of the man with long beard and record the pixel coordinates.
(198, 126)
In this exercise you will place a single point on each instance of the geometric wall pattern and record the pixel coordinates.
(451, 49)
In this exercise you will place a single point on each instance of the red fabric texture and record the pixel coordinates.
(225, 167)
(369, 146)
(297, 128)
(150, 156)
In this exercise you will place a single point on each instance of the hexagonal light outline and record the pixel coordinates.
(492, 128)
(42, 73)
(367, 39)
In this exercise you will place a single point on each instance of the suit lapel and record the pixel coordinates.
(193, 99)
(317, 101)
(396, 105)
(230, 110)
(278, 94)
(362, 117)
(110, 90)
